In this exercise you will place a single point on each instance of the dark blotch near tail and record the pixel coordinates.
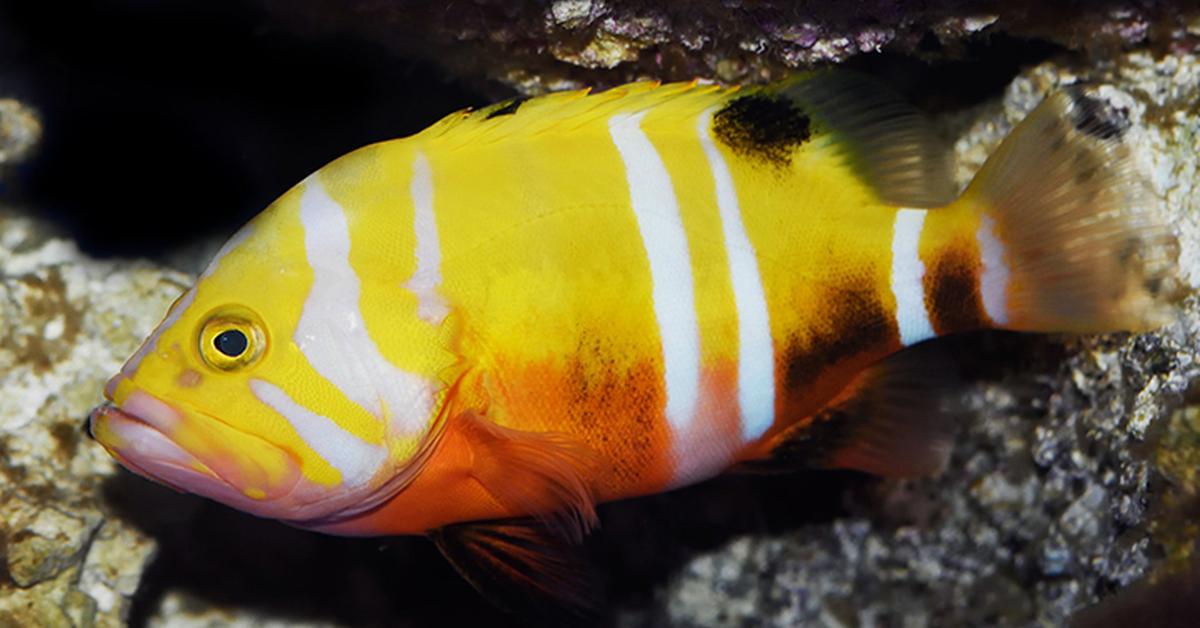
(765, 127)
(858, 323)
(952, 284)
(1097, 118)
(507, 108)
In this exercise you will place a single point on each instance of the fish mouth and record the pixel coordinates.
(144, 449)
(191, 452)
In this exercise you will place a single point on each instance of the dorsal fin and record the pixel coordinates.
(566, 111)
(888, 142)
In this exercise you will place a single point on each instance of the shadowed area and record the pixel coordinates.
(232, 560)
(168, 122)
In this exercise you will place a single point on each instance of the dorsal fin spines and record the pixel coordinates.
(566, 111)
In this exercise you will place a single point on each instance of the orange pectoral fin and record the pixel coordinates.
(532, 564)
(543, 475)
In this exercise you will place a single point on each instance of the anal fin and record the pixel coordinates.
(896, 419)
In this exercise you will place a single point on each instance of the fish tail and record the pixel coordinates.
(1069, 238)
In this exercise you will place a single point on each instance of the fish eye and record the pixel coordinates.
(231, 342)
(231, 339)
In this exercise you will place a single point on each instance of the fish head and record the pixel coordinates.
(262, 388)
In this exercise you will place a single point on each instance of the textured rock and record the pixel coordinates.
(20, 130)
(535, 46)
(65, 326)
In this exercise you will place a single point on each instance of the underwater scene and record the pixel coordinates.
(599, 313)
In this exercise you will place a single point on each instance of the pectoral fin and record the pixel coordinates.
(543, 475)
(524, 567)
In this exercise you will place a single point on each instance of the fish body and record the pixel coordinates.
(543, 304)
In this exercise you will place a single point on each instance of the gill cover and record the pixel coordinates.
(265, 387)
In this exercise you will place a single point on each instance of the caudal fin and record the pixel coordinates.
(1069, 237)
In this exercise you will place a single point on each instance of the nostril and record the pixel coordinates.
(87, 426)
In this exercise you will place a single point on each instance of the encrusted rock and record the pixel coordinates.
(20, 130)
(66, 324)
(537, 46)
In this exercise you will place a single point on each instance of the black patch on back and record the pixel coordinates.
(507, 109)
(765, 127)
(859, 322)
(1097, 118)
(952, 284)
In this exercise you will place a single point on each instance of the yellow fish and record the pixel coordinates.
(480, 331)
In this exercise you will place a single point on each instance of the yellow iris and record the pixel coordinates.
(232, 338)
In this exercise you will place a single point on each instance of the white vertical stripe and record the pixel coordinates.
(993, 281)
(331, 333)
(428, 276)
(907, 274)
(756, 352)
(661, 227)
(356, 460)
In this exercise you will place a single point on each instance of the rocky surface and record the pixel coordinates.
(1074, 475)
(65, 324)
(535, 46)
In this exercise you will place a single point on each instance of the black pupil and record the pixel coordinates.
(231, 342)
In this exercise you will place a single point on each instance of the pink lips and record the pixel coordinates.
(142, 434)
(145, 450)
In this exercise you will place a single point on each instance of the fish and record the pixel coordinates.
(479, 332)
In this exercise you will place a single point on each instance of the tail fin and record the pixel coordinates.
(1069, 238)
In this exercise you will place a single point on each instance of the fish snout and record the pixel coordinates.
(190, 451)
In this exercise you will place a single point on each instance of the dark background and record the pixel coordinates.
(169, 123)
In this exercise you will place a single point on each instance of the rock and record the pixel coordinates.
(66, 324)
(45, 545)
(535, 47)
(20, 130)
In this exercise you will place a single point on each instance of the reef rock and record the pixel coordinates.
(66, 324)
(537, 46)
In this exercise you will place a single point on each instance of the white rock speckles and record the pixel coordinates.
(178, 610)
(66, 324)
